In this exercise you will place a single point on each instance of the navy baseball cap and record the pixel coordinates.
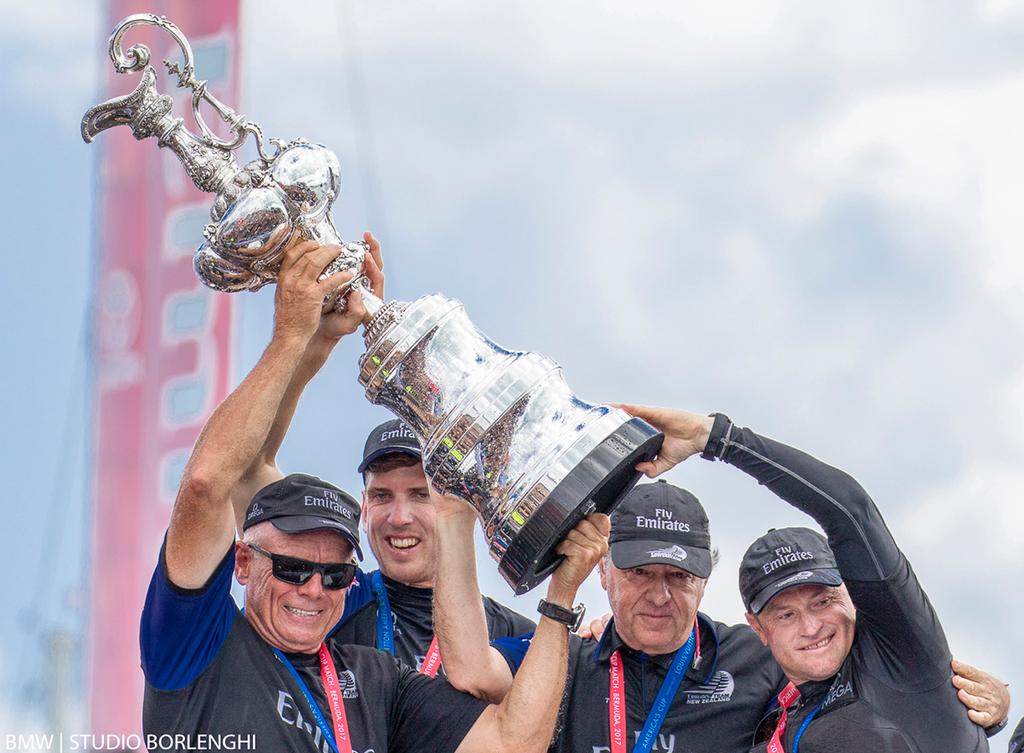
(661, 524)
(299, 503)
(387, 439)
(784, 558)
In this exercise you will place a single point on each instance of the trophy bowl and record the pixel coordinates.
(501, 429)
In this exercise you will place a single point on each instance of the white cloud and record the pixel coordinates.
(950, 151)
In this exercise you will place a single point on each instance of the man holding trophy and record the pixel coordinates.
(269, 671)
(496, 429)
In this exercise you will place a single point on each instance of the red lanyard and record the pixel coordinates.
(617, 705)
(786, 698)
(617, 696)
(330, 677)
(432, 661)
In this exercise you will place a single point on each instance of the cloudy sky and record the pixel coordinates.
(802, 214)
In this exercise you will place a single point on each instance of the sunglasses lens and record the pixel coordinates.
(338, 576)
(291, 570)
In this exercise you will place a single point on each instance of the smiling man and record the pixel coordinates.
(663, 677)
(392, 608)
(268, 673)
(846, 619)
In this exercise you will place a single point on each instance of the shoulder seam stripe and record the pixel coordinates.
(809, 485)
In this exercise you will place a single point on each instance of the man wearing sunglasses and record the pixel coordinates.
(390, 608)
(213, 671)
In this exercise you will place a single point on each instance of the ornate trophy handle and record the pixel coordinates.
(288, 189)
(137, 57)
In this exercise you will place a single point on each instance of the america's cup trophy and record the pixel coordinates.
(500, 428)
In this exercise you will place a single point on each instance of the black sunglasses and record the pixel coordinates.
(333, 575)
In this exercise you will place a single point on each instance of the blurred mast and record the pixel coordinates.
(160, 349)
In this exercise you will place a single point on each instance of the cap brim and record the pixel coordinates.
(304, 523)
(627, 554)
(826, 576)
(387, 451)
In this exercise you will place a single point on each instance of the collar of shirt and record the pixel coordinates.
(416, 598)
(611, 642)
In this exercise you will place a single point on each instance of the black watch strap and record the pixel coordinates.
(571, 618)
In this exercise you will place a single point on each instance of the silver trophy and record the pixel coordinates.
(500, 429)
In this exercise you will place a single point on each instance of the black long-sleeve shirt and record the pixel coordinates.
(893, 691)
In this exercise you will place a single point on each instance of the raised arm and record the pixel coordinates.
(857, 534)
(333, 327)
(525, 720)
(202, 525)
(470, 662)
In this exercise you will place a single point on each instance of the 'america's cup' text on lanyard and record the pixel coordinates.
(386, 629)
(669, 686)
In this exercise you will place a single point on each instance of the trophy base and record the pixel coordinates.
(595, 485)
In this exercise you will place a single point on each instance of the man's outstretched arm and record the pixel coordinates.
(202, 525)
(470, 662)
(524, 721)
(333, 327)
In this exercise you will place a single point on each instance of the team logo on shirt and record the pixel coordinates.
(348, 684)
(717, 691)
(674, 552)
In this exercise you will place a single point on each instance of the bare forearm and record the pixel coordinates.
(527, 716)
(470, 662)
(263, 469)
(239, 427)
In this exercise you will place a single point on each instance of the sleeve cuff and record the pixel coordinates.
(995, 729)
(721, 430)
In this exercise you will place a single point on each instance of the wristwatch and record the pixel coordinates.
(571, 618)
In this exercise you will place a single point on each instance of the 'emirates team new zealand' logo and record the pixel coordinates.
(674, 552)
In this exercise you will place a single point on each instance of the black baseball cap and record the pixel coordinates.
(783, 558)
(661, 524)
(387, 439)
(299, 503)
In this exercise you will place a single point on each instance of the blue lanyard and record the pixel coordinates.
(667, 692)
(321, 722)
(806, 724)
(385, 623)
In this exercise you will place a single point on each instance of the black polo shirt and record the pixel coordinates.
(893, 693)
(715, 709)
(208, 672)
(1017, 741)
(413, 619)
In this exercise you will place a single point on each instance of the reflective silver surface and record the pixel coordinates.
(500, 428)
(259, 207)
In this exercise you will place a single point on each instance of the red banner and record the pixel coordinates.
(161, 347)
